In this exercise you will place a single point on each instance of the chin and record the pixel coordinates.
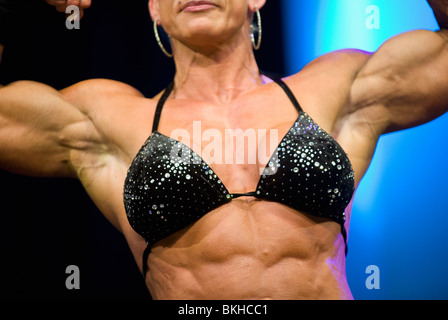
(201, 32)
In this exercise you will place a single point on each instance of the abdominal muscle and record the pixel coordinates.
(251, 249)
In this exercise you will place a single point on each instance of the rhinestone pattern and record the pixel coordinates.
(169, 186)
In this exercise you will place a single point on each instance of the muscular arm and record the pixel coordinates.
(39, 129)
(405, 83)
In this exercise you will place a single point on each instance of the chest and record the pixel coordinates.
(238, 141)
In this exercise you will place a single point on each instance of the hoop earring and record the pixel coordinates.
(257, 45)
(159, 42)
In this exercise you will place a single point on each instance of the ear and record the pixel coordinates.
(153, 6)
(256, 4)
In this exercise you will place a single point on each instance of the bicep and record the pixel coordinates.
(39, 129)
(403, 84)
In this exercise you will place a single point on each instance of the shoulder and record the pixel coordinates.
(113, 109)
(334, 69)
(355, 56)
(96, 87)
(89, 93)
(332, 72)
(340, 61)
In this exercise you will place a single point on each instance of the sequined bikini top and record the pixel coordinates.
(169, 186)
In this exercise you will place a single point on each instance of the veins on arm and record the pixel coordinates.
(404, 81)
(40, 130)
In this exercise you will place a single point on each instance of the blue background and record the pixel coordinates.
(399, 214)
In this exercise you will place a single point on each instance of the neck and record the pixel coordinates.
(219, 75)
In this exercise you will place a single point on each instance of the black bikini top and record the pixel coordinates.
(169, 186)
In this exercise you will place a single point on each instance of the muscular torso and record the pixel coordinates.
(247, 249)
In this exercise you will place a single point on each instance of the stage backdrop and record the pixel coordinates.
(400, 212)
